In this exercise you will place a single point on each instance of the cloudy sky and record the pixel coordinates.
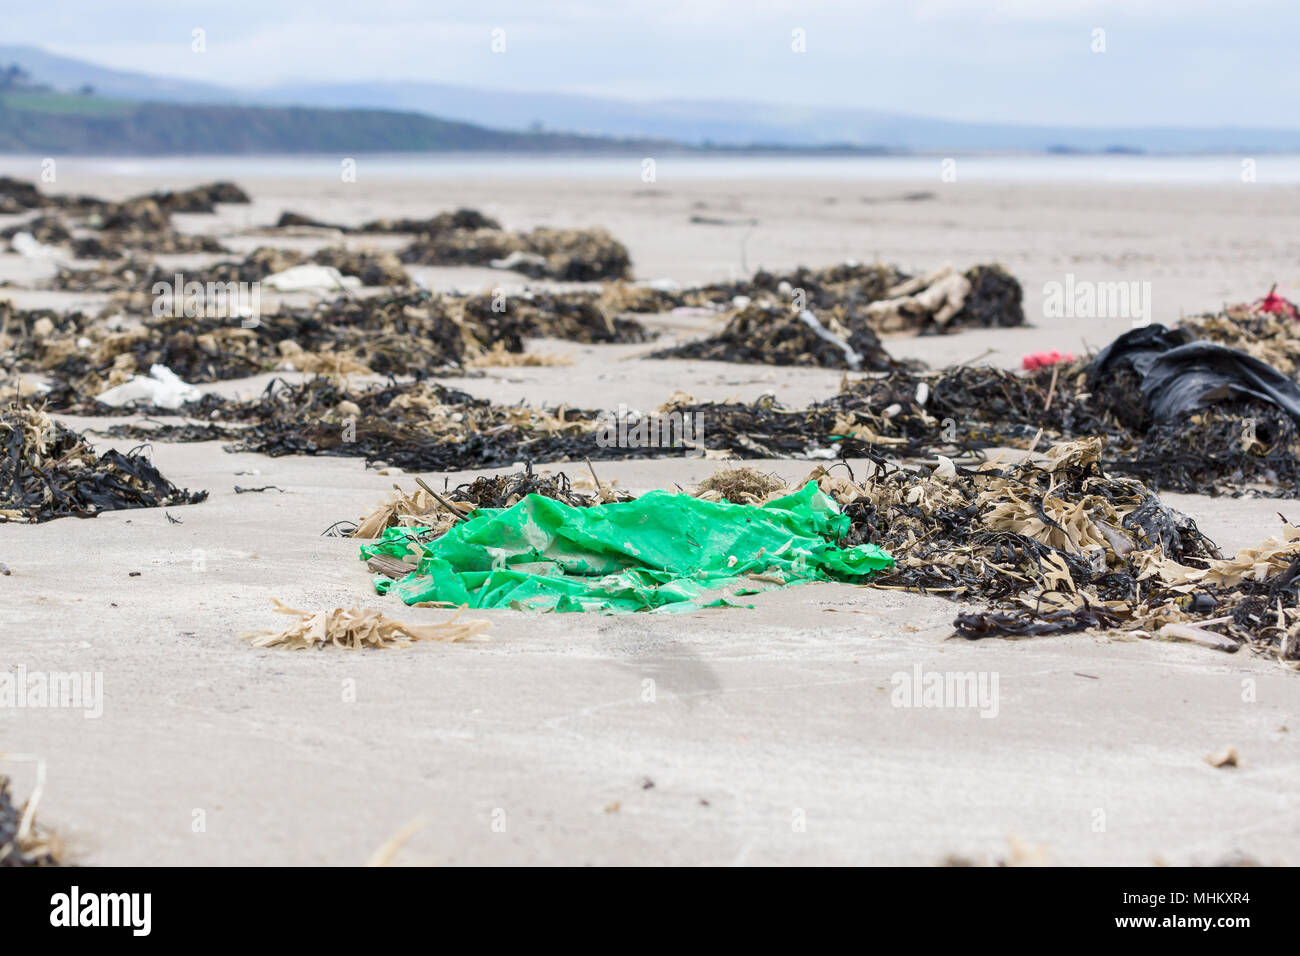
(1166, 62)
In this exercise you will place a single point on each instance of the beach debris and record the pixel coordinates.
(1178, 376)
(439, 225)
(388, 850)
(571, 255)
(438, 512)
(27, 246)
(142, 223)
(1227, 757)
(740, 485)
(287, 270)
(586, 317)
(406, 332)
(834, 317)
(295, 220)
(1041, 359)
(1265, 329)
(372, 268)
(771, 334)
(930, 300)
(663, 550)
(1056, 545)
(18, 196)
(48, 471)
(311, 278)
(50, 230)
(1050, 546)
(1228, 447)
(23, 841)
(1275, 304)
(163, 388)
(201, 199)
(356, 628)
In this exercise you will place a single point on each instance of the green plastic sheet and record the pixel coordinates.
(663, 551)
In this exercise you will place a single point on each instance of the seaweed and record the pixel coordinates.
(48, 471)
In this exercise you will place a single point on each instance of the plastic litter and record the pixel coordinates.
(27, 245)
(1043, 359)
(310, 278)
(663, 551)
(162, 389)
(1178, 376)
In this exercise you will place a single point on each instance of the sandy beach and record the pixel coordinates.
(727, 736)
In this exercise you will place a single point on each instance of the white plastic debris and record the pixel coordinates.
(311, 278)
(946, 468)
(740, 301)
(25, 244)
(518, 258)
(850, 354)
(163, 388)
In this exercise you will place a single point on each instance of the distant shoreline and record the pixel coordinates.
(918, 170)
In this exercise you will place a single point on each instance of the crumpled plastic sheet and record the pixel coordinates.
(1179, 376)
(663, 551)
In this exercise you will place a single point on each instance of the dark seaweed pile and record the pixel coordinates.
(48, 471)
(961, 413)
(769, 334)
(409, 333)
(1062, 546)
(785, 320)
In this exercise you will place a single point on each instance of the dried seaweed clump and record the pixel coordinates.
(439, 511)
(48, 471)
(356, 628)
(441, 224)
(739, 485)
(1271, 334)
(202, 199)
(771, 334)
(373, 268)
(833, 317)
(844, 284)
(572, 316)
(48, 230)
(1056, 545)
(573, 255)
(23, 842)
(17, 196)
(892, 301)
(409, 333)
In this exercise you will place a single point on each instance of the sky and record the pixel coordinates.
(1165, 62)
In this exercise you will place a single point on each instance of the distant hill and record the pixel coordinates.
(43, 122)
(697, 123)
(736, 122)
(66, 73)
